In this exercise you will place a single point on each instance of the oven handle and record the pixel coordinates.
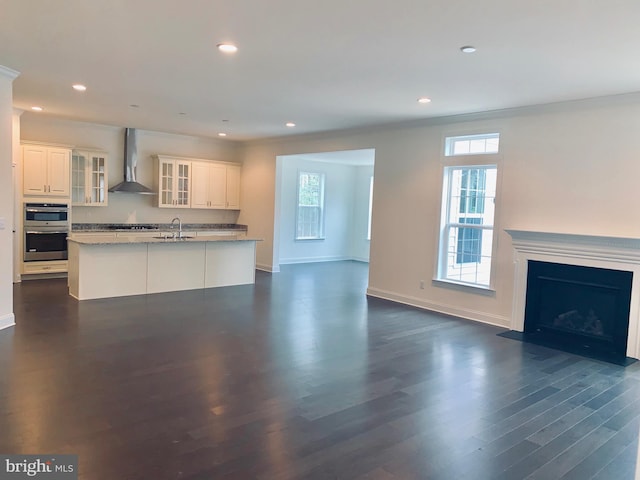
(47, 210)
(39, 232)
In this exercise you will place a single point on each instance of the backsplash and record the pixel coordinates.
(99, 227)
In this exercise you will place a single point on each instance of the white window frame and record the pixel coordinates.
(479, 138)
(320, 223)
(451, 162)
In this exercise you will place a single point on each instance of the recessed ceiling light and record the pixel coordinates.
(222, 134)
(227, 47)
(424, 100)
(290, 124)
(467, 49)
(79, 87)
(37, 109)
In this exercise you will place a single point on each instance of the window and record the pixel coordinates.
(310, 216)
(370, 207)
(472, 144)
(467, 224)
(468, 210)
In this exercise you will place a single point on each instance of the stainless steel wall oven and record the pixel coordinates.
(46, 226)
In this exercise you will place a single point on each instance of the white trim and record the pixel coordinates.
(450, 141)
(487, 161)
(615, 253)
(8, 320)
(9, 72)
(337, 258)
(464, 287)
(474, 315)
(267, 268)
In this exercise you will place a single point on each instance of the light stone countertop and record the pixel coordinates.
(121, 240)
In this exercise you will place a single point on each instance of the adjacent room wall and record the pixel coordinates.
(359, 248)
(6, 196)
(131, 208)
(569, 167)
(345, 238)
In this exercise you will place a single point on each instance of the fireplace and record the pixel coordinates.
(578, 292)
(580, 309)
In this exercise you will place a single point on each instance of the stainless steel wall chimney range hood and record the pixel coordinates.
(130, 185)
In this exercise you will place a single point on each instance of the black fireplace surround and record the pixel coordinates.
(583, 310)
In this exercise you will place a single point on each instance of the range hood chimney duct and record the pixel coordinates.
(130, 185)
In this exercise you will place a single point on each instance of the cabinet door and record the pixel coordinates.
(34, 163)
(166, 180)
(182, 184)
(58, 172)
(97, 178)
(78, 178)
(200, 185)
(218, 186)
(233, 187)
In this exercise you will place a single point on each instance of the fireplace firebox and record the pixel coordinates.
(579, 309)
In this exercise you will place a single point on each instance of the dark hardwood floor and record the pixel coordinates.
(302, 377)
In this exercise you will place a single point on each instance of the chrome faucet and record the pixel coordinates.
(179, 227)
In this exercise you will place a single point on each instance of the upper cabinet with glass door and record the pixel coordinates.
(174, 182)
(88, 178)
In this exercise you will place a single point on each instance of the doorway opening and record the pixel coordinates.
(323, 207)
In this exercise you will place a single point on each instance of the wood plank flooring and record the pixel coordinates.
(300, 376)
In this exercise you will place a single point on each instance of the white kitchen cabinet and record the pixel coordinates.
(215, 185)
(89, 178)
(46, 170)
(209, 185)
(174, 182)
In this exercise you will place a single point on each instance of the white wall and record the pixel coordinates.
(342, 228)
(123, 207)
(565, 168)
(17, 207)
(6, 197)
(359, 249)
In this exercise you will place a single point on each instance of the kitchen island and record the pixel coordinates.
(102, 267)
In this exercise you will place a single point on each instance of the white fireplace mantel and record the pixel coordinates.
(615, 253)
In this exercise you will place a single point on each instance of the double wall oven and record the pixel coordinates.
(46, 226)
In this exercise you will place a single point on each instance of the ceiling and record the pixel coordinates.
(325, 65)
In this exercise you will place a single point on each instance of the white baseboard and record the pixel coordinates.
(291, 261)
(267, 268)
(8, 320)
(476, 316)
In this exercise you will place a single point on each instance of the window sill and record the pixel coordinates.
(464, 287)
(308, 239)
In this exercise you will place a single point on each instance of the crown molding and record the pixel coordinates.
(8, 72)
